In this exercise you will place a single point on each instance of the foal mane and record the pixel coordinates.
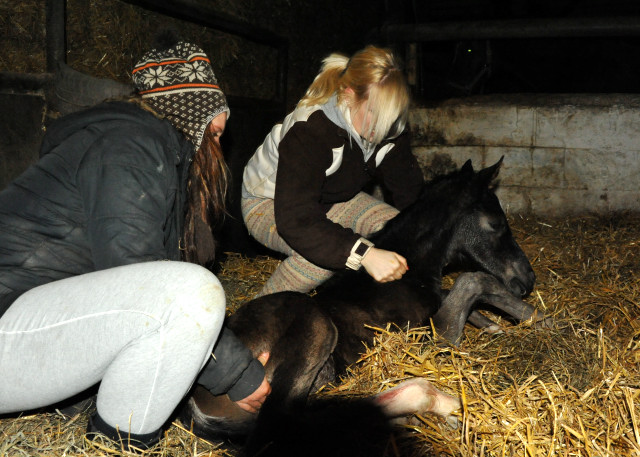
(426, 217)
(422, 231)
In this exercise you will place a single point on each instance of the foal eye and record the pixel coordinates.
(496, 226)
(492, 224)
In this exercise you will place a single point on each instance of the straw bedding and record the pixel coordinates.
(571, 390)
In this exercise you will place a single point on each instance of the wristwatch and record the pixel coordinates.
(358, 251)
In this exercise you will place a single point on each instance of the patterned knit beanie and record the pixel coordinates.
(179, 83)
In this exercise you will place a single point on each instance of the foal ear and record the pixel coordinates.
(488, 174)
(467, 168)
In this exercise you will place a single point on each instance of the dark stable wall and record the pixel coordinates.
(21, 131)
(246, 129)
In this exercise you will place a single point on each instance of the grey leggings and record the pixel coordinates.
(143, 331)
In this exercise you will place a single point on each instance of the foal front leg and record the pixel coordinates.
(481, 321)
(471, 288)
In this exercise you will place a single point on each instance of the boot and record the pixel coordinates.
(130, 442)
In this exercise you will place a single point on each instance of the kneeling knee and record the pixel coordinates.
(195, 294)
(201, 290)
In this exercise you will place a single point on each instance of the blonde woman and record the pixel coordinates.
(303, 188)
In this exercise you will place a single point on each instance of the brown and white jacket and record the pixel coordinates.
(307, 163)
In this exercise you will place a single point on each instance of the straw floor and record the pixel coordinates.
(572, 390)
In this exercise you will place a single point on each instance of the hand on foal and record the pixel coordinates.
(254, 402)
(384, 266)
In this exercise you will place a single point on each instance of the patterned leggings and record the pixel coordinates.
(363, 214)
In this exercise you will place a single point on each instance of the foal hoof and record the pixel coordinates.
(412, 421)
(416, 395)
(493, 329)
(539, 320)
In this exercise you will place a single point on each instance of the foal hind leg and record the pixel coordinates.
(471, 288)
(298, 371)
(297, 359)
(300, 356)
(417, 395)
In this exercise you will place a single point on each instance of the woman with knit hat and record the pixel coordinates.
(302, 191)
(102, 243)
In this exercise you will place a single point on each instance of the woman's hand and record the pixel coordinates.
(254, 402)
(384, 266)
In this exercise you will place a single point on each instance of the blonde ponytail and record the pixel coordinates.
(378, 84)
(327, 82)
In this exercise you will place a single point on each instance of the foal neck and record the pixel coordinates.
(422, 235)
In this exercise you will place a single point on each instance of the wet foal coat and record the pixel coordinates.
(457, 223)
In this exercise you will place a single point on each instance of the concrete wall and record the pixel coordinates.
(563, 154)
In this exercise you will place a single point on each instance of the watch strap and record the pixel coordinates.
(358, 251)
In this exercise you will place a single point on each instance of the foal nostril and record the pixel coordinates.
(517, 288)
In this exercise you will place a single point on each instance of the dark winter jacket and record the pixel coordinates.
(108, 190)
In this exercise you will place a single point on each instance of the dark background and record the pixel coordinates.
(104, 38)
(556, 64)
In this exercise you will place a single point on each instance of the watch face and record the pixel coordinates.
(361, 249)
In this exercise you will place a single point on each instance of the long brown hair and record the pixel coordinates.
(206, 195)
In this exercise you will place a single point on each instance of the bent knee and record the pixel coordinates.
(200, 286)
(195, 292)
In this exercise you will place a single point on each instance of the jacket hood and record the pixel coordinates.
(68, 125)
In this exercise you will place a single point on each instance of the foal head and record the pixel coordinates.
(480, 235)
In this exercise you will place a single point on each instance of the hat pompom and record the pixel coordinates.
(166, 38)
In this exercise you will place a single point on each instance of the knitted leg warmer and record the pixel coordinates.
(363, 214)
